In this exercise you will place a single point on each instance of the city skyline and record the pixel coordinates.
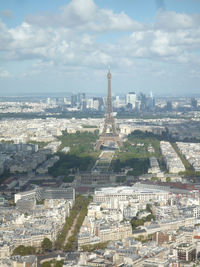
(67, 46)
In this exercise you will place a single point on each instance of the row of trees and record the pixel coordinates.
(183, 159)
(139, 165)
(78, 206)
(46, 245)
(69, 222)
(144, 239)
(72, 240)
(165, 136)
(90, 248)
(53, 263)
(70, 163)
(189, 172)
(168, 179)
(23, 251)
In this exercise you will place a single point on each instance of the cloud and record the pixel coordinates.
(26, 36)
(161, 45)
(107, 20)
(70, 39)
(4, 73)
(78, 12)
(194, 73)
(5, 36)
(6, 13)
(171, 20)
(85, 15)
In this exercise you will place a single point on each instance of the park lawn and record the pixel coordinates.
(134, 153)
(81, 157)
(78, 142)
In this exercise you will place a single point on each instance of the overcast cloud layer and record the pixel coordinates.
(76, 45)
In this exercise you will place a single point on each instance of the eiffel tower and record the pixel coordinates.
(109, 133)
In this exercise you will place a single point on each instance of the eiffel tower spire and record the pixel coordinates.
(109, 97)
(109, 122)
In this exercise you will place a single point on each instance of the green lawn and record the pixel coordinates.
(134, 153)
(81, 157)
(79, 143)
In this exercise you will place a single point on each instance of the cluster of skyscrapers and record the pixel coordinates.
(128, 102)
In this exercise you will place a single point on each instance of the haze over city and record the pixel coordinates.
(66, 46)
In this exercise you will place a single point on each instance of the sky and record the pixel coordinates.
(62, 46)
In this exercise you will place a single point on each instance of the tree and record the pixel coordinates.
(154, 179)
(69, 247)
(46, 264)
(23, 251)
(58, 264)
(121, 179)
(168, 179)
(68, 179)
(46, 244)
(148, 208)
(91, 248)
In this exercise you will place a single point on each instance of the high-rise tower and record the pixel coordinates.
(109, 133)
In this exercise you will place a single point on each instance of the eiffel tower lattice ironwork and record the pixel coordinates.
(109, 133)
